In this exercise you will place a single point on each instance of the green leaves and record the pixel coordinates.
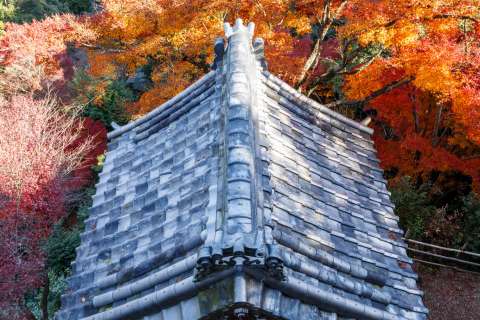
(20, 11)
(112, 107)
(456, 224)
(471, 223)
(413, 206)
(57, 286)
(103, 99)
(60, 252)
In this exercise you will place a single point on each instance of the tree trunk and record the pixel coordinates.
(436, 128)
(44, 301)
(415, 119)
(326, 23)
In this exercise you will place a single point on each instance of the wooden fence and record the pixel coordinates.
(434, 255)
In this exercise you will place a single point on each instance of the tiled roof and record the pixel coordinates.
(241, 196)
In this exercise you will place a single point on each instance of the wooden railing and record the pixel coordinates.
(435, 255)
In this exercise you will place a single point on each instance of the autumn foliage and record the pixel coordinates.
(412, 67)
(41, 147)
(34, 56)
(46, 150)
(432, 121)
(360, 57)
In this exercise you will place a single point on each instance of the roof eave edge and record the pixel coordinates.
(318, 107)
(117, 132)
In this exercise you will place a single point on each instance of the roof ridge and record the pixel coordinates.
(241, 233)
(239, 95)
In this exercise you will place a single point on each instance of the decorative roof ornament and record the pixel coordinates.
(239, 27)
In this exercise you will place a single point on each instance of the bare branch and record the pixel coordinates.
(476, 156)
(326, 24)
(103, 49)
(308, 64)
(373, 95)
(435, 17)
(453, 16)
(362, 66)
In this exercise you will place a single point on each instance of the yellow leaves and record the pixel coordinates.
(407, 33)
(466, 106)
(375, 36)
(442, 26)
(403, 33)
(425, 41)
(301, 24)
(127, 20)
(433, 67)
(439, 80)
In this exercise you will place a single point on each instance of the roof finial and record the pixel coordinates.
(238, 27)
(227, 29)
(219, 52)
(259, 50)
(238, 23)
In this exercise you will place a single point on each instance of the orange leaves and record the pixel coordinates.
(301, 25)
(466, 106)
(127, 20)
(418, 35)
(167, 83)
(175, 38)
(403, 34)
(101, 65)
(378, 74)
(281, 47)
(436, 118)
(415, 156)
(423, 40)
(412, 136)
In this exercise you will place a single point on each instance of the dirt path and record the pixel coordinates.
(450, 295)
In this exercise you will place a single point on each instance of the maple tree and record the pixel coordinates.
(34, 56)
(175, 39)
(41, 148)
(427, 64)
(374, 56)
(46, 150)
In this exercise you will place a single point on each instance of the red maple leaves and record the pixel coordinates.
(41, 151)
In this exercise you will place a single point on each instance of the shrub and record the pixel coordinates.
(104, 100)
(470, 232)
(413, 206)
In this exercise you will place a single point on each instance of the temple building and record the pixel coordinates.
(240, 198)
